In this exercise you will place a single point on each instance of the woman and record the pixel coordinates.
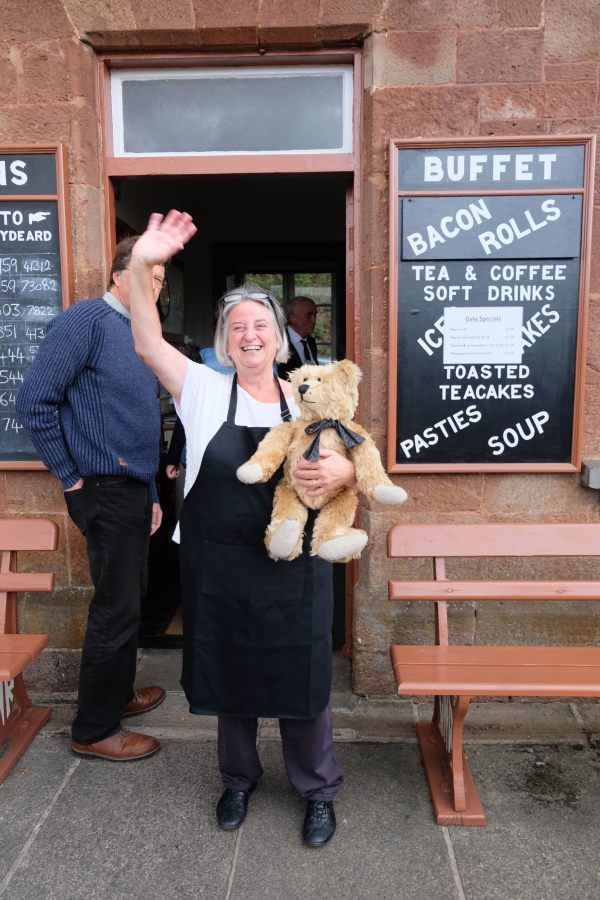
(257, 633)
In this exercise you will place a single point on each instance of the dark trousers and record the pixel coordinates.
(311, 767)
(115, 514)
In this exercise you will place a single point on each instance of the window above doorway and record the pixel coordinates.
(230, 111)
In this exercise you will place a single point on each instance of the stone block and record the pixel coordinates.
(583, 71)
(375, 293)
(499, 57)
(537, 624)
(420, 15)
(77, 559)
(85, 152)
(226, 14)
(408, 112)
(89, 282)
(341, 35)
(355, 13)
(372, 675)
(36, 123)
(572, 31)
(292, 37)
(54, 672)
(408, 57)
(82, 72)
(527, 497)
(515, 126)
(34, 493)
(116, 41)
(45, 75)
(99, 16)
(62, 615)
(47, 17)
(87, 215)
(11, 65)
(519, 13)
(174, 39)
(595, 255)
(157, 16)
(443, 493)
(531, 101)
(300, 14)
(374, 223)
(230, 37)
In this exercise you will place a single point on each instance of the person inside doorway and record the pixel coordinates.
(301, 321)
(256, 633)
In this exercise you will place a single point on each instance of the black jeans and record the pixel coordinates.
(115, 514)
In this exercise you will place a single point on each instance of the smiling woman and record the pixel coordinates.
(248, 621)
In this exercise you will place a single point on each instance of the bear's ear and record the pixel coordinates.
(351, 372)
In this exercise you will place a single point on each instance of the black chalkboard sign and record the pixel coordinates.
(33, 276)
(485, 324)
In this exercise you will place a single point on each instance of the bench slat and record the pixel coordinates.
(493, 590)
(28, 534)
(17, 651)
(26, 581)
(466, 655)
(28, 643)
(497, 671)
(516, 539)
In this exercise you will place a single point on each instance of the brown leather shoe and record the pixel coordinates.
(119, 747)
(146, 699)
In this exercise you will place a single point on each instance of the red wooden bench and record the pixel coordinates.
(20, 721)
(454, 675)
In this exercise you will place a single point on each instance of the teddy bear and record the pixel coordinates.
(327, 397)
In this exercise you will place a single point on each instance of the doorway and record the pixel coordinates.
(286, 232)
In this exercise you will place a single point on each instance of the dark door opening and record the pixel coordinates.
(287, 232)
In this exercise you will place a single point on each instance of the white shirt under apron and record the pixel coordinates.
(203, 408)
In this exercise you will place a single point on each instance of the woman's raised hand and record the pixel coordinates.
(164, 237)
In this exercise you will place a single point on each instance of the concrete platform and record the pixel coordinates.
(79, 829)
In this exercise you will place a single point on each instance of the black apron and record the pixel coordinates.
(256, 633)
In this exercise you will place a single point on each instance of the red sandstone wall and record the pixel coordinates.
(434, 68)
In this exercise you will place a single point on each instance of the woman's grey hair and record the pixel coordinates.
(228, 302)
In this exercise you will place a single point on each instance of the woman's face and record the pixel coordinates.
(251, 336)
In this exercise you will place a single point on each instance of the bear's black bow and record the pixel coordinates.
(349, 438)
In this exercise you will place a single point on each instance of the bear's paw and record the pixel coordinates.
(250, 473)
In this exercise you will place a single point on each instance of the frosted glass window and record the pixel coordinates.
(191, 112)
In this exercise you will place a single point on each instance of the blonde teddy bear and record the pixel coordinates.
(327, 397)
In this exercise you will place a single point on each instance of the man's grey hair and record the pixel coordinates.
(300, 298)
(238, 295)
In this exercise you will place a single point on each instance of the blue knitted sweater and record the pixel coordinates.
(88, 401)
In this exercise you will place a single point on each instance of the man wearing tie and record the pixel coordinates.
(302, 318)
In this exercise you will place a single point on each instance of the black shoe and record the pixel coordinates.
(232, 808)
(319, 823)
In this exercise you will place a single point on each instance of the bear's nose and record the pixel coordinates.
(303, 389)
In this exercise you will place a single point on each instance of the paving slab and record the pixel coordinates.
(542, 840)
(386, 845)
(27, 792)
(132, 830)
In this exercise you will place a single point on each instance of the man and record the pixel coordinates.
(91, 408)
(302, 318)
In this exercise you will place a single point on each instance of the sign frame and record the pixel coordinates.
(395, 198)
(61, 197)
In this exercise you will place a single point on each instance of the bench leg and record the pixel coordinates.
(453, 792)
(20, 722)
